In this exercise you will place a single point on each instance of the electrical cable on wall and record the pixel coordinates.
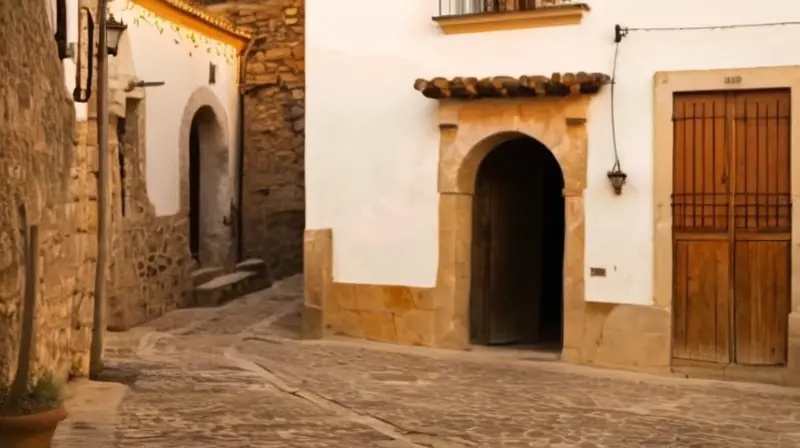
(625, 30)
(616, 176)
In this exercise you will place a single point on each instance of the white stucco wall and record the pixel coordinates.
(372, 141)
(157, 51)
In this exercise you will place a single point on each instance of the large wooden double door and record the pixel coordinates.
(731, 213)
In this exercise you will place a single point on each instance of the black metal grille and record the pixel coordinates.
(449, 8)
(703, 200)
(768, 212)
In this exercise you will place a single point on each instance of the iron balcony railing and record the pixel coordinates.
(451, 8)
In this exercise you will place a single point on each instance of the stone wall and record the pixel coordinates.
(83, 194)
(273, 215)
(150, 262)
(149, 258)
(41, 169)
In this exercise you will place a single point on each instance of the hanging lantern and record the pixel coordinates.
(617, 177)
(114, 30)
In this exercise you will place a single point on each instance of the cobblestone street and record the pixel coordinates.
(237, 376)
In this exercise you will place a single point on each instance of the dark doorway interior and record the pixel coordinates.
(121, 142)
(194, 189)
(518, 247)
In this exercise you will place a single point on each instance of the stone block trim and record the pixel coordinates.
(318, 279)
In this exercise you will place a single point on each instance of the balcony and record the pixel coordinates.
(472, 16)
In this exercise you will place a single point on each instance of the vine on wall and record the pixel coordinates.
(181, 35)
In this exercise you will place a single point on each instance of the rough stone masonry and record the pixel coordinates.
(37, 140)
(273, 215)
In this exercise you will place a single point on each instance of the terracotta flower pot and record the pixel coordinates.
(30, 431)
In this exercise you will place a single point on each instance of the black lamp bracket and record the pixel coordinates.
(620, 32)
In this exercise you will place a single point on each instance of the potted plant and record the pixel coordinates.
(29, 411)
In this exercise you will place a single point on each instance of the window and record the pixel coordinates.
(469, 16)
(462, 7)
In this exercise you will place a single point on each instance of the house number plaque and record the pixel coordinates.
(733, 80)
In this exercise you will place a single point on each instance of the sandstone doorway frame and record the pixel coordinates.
(469, 131)
(216, 238)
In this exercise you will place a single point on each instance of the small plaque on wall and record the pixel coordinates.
(597, 272)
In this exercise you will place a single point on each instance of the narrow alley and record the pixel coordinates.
(237, 376)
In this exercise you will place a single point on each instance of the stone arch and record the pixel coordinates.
(469, 131)
(468, 168)
(461, 156)
(205, 115)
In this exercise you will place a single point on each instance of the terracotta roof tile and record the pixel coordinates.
(558, 84)
(220, 22)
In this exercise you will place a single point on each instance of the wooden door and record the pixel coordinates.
(731, 226)
(505, 243)
(762, 226)
(701, 240)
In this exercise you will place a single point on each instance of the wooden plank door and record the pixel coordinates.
(492, 297)
(762, 226)
(506, 247)
(701, 230)
(731, 226)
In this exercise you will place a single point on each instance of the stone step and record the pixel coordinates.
(222, 289)
(258, 267)
(204, 275)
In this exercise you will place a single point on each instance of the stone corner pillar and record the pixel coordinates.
(317, 280)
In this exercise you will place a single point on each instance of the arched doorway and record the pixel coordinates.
(209, 237)
(518, 247)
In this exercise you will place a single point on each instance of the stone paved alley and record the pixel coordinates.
(237, 376)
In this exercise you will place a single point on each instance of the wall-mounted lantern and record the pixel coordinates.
(617, 177)
(114, 30)
(85, 57)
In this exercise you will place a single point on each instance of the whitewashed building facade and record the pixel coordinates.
(419, 232)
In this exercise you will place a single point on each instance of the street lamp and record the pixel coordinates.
(109, 33)
(114, 30)
(113, 33)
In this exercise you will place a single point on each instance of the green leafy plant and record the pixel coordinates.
(44, 395)
(180, 34)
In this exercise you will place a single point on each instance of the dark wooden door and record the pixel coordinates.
(506, 261)
(731, 226)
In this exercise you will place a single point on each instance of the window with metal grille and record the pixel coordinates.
(465, 7)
